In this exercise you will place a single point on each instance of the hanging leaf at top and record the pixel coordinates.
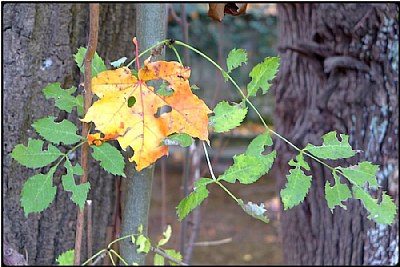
(153, 117)
(218, 11)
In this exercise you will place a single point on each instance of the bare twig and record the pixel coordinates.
(213, 243)
(92, 44)
(162, 253)
(89, 228)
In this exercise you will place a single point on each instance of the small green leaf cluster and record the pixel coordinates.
(38, 191)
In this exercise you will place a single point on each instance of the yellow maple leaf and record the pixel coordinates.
(138, 125)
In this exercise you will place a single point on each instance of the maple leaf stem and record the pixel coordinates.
(137, 53)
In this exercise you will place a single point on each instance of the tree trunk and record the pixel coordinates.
(339, 71)
(39, 43)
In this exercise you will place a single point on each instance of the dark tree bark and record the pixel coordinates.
(339, 71)
(38, 47)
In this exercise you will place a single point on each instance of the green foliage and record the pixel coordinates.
(194, 199)
(167, 236)
(183, 140)
(38, 192)
(173, 254)
(332, 148)
(261, 74)
(383, 213)
(66, 258)
(110, 158)
(296, 188)
(235, 58)
(80, 191)
(143, 244)
(33, 155)
(63, 98)
(165, 90)
(227, 117)
(360, 174)
(336, 194)
(64, 131)
(97, 63)
(249, 167)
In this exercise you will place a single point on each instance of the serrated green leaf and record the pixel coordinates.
(158, 260)
(66, 258)
(363, 172)
(177, 139)
(33, 155)
(173, 254)
(97, 63)
(119, 62)
(332, 148)
(167, 236)
(236, 57)
(256, 146)
(38, 192)
(299, 162)
(79, 192)
(261, 74)
(248, 169)
(336, 194)
(64, 131)
(110, 158)
(383, 213)
(64, 99)
(143, 244)
(254, 210)
(191, 201)
(296, 188)
(227, 117)
(203, 182)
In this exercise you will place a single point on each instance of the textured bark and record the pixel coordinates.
(339, 71)
(39, 41)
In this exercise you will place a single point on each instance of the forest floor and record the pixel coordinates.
(248, 241)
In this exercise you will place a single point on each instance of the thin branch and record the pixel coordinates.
(92, 44)
(168, 257)
(213, 243)
(89, 228)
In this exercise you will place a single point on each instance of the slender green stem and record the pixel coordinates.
(118, 256)
(111, 258)
(176, 53)
(94, 256)
(119, 239)
(147, 50)
(227, 191)
(208, 162)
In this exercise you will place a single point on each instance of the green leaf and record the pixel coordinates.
(299, 162)
(261, 74)
(110, 158)
(203, 182)
(235, 58)
(336, 194)
(191, 201)
(79, 192)
(63, 97)
(248, 169)
(38, 192)
(332, 148)
(254, 210)
(97, 63)
(165, 90)
(33, 156)
(173, 254)
(66, 258)
(119, 62)
(194, 87)
(296, 188)
(227, 117)
(158, 260)
(143, 244)
(256, 146)
(383, 213)
(167, 236)
(176, 139)
(363, 172)
(64, 131)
